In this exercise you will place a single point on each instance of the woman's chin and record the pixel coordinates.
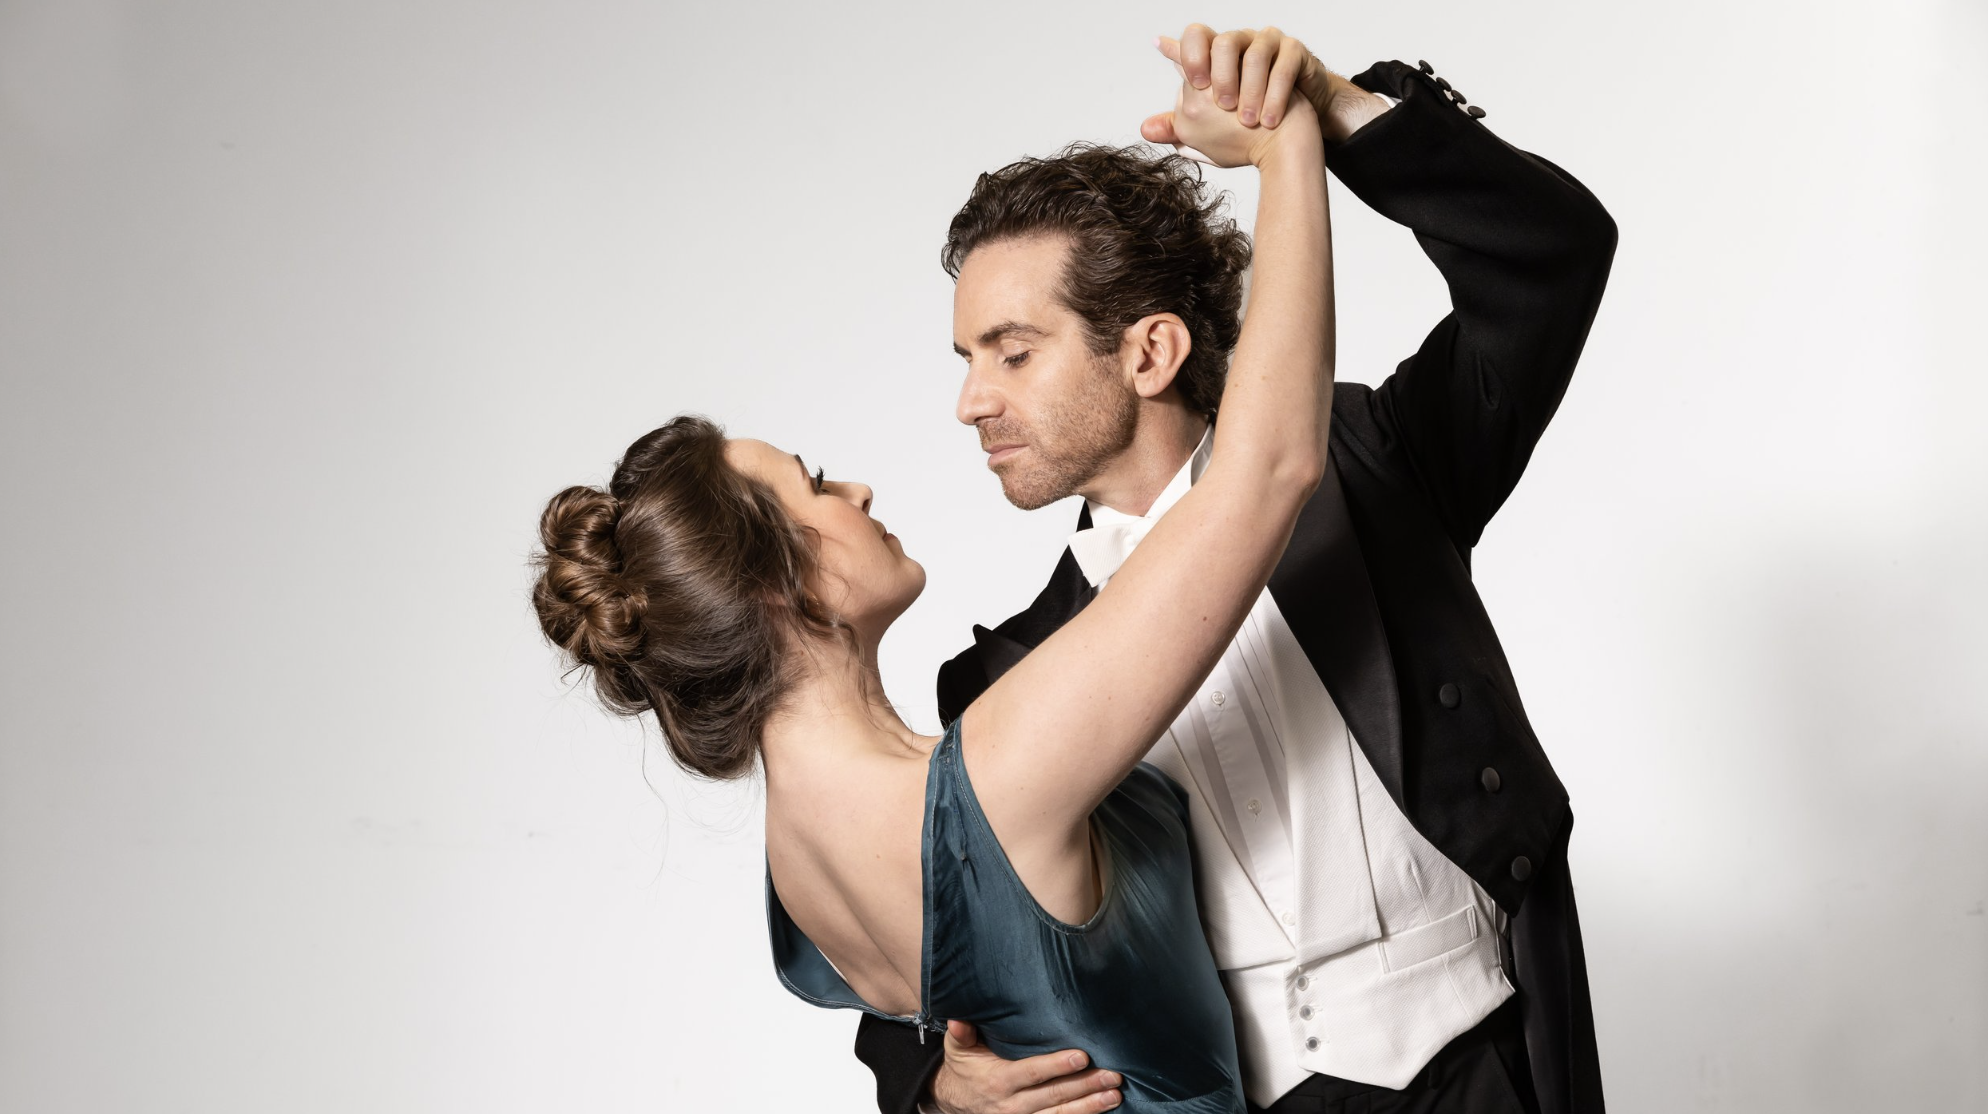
(909, 591)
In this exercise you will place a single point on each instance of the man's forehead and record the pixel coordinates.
(1009, 288)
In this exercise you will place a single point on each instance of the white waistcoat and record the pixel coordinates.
(1349, 945)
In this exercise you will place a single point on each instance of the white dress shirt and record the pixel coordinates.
(1348, 944)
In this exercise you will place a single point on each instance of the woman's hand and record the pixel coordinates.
(1255, 72)
(1203, 129)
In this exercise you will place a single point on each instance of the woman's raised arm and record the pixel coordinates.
(1051, 738)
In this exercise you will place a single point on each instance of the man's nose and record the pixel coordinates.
(977, 399)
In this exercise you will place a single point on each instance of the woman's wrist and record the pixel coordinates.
(1296, 137)
(1293, 143)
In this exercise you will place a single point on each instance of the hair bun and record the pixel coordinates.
(584, 602)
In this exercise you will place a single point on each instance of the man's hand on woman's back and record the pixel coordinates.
(973, 1080)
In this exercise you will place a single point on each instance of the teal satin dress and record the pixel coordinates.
(1135, 986)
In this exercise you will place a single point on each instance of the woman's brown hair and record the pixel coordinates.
(677, 586)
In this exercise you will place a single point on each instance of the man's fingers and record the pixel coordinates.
(1071, 1089)
(1089, 1104)
(1284, 76)
(1256, 63)
(1225, 64)
(960, 1036)
(1194, 44)
(1016, 1076)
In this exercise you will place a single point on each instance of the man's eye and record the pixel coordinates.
(1016, 360)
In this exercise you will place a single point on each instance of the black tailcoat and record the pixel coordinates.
(1376, 583)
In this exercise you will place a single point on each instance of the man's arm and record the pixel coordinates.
(1524, 248)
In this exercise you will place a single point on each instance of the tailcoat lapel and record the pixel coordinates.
(1322, 589)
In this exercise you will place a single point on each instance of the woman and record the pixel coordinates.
(1022, 871)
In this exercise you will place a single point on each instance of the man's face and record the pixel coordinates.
(1051, 415)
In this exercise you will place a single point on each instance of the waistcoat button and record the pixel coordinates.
(1305, 1012)
(1449, 695)
(1311, 1044)
(1521, 868)
(1490, 780)
(1303, 982)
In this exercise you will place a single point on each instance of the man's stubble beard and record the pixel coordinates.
(1073, 440)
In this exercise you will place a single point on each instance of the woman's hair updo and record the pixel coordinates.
(676, 586)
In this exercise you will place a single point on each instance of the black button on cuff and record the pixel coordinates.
(1490, 780)
(1425, 67)
(1521, 868)
(1476, 113)
(1449, 696)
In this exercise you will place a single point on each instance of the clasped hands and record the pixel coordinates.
(1238, 86)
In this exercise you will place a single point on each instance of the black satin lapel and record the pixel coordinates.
(1059, 601)
(997, 652)
(1322, 589)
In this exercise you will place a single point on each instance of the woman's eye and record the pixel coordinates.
(1016, 360)
(821, 479)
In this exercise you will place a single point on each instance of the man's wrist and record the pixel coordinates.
(1344, 108)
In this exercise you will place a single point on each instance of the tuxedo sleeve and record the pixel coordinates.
(1525, 250)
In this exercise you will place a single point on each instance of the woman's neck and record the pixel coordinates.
(835, 704)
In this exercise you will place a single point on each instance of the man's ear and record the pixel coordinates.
(1152, 351)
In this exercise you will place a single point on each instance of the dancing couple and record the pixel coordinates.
(1244, 811)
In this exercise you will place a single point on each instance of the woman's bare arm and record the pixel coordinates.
(1048, 741)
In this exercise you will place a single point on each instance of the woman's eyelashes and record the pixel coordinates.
(821, 480)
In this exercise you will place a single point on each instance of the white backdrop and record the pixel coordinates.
(306, 308)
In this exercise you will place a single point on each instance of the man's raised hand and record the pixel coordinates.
(973, 1080)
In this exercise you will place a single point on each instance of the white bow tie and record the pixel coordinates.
(1104, 547)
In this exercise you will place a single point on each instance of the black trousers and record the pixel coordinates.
(1484, 1071)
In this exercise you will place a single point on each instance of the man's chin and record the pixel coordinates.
(1031, 491)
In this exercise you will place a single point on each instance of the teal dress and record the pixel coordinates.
(1135, 986)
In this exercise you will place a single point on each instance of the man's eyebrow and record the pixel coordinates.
(1004, 329)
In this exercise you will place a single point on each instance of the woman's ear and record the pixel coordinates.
(1152, 351)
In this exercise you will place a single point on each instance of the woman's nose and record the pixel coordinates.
(859, 494)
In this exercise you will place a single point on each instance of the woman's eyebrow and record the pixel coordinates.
(804, 470)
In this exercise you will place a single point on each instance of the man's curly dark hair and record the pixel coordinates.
(1146, 236)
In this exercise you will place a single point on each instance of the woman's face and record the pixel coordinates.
(861, 572)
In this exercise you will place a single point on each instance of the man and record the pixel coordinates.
(1380, 841)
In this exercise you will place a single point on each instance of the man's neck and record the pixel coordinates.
(1158, 452)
